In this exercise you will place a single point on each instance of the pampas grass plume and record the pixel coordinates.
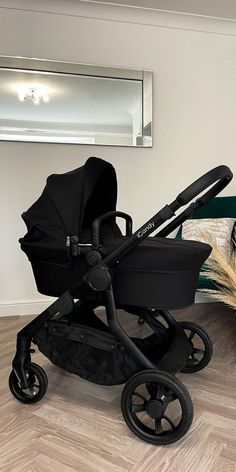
(221, 269)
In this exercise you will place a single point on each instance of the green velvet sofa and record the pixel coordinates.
(219, 207)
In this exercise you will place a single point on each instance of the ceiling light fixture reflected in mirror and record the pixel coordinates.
(88, 104)
(36, 95)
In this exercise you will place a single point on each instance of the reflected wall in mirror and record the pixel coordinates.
(58, 102)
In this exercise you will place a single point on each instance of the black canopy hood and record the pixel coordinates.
(71, 201)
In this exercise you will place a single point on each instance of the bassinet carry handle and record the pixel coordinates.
(109, 215)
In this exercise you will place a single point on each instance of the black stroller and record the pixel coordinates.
(79, 254)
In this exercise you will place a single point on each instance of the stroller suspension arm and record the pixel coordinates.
(117, 330)
(99, 279)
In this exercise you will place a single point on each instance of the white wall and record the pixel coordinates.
(194, 114)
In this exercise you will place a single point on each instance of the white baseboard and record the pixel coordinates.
(35, 307)
(24, 307)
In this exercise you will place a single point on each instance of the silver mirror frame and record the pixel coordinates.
(23, 64)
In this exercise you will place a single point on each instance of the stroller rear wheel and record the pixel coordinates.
(157, 407)
(202, 349)
(37, 384)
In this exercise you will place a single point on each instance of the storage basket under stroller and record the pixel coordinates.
(82, 344)
(79, 254)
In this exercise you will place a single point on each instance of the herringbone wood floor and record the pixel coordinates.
(78, 426)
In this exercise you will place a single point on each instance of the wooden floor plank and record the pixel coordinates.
(78, 426)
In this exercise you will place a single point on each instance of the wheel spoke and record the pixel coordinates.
(198, 351)
(169, 397)
(192, 334)
(152, 390)
(136, 408)
(158, 426)
(160, 391)
(157, 391)
(30, 386)
(192, 360)
(139, 395)
(34, 389)
(169, 421)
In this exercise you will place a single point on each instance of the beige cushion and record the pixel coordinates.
(221, 230)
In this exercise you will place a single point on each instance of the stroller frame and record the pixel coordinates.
(98, 275)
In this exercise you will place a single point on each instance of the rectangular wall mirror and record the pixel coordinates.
(62, 102)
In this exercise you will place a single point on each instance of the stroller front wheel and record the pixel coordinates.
(157, 407)
(202, 348)
(37, 384)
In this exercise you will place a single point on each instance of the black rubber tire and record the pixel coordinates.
(181, 393)
(36, 373)
(190, 369)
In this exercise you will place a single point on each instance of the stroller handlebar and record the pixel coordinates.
(220, 175)
(217, 179)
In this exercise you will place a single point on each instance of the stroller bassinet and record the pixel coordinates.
(78, 252)
(158, 273)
